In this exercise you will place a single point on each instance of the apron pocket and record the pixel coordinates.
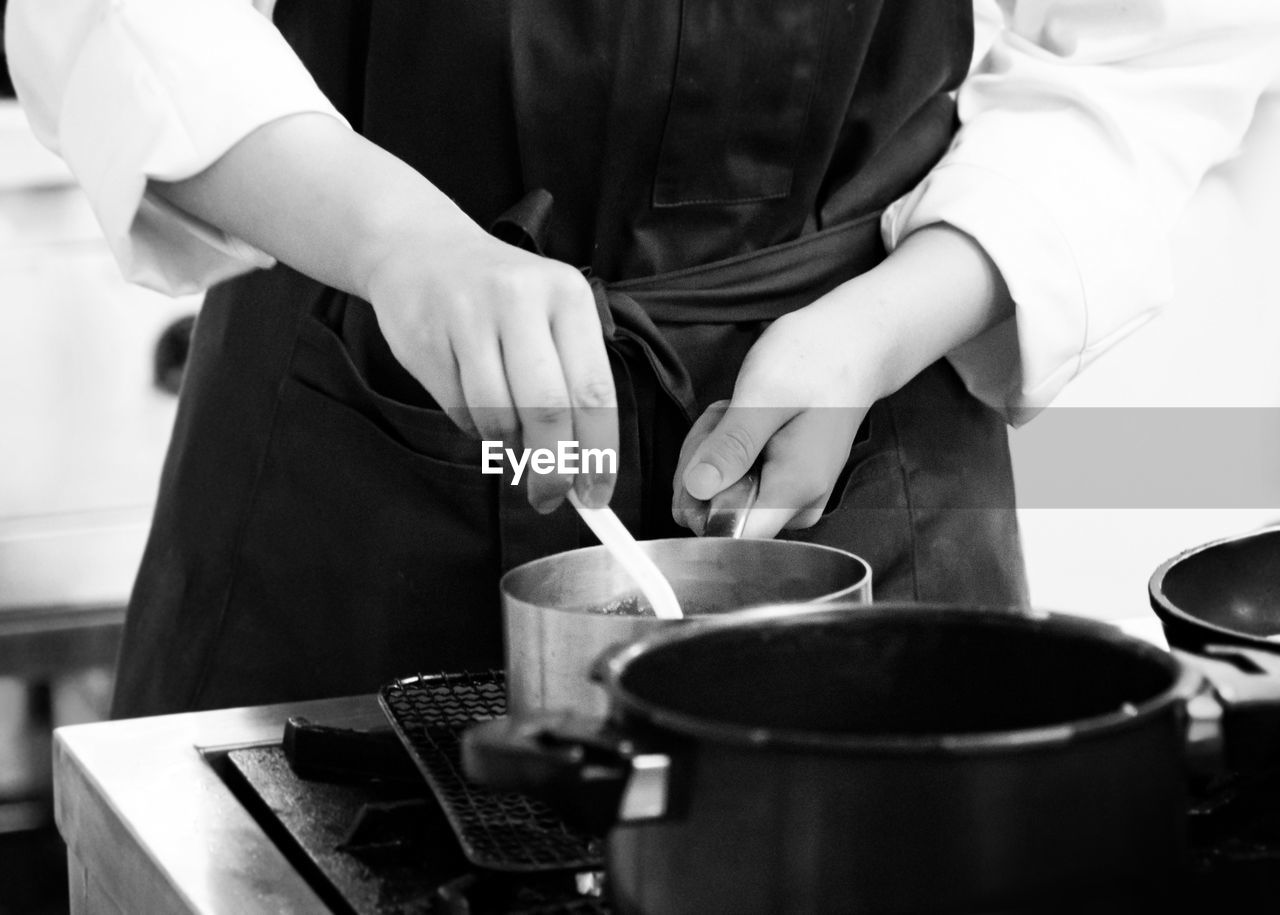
(352, 432)
(745, 78)
(322, 365)
(360, 561)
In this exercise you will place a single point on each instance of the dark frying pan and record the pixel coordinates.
(1224, 596)
(1224, 592)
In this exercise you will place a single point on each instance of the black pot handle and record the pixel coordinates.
(591, 773)
(1239, 723)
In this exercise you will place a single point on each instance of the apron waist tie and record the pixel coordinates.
(761, 285)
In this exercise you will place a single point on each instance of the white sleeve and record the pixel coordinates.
(1085, 130)
(128, 90)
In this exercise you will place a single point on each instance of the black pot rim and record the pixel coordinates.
(1184, 683)
(1168, 611)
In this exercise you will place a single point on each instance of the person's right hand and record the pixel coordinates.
(508, 343)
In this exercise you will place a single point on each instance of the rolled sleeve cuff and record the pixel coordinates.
(1020, 365)
(140, 105)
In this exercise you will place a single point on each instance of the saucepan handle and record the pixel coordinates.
(593, 775)
(728, 510)
(1238, 721)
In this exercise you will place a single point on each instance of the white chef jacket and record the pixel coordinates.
(1086, 126)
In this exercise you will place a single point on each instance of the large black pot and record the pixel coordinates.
(892, 758)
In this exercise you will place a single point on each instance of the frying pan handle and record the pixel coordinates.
(592, 774)
(1244, 732)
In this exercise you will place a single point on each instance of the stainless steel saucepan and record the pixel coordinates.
(554, 629)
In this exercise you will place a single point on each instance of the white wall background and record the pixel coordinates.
(1217, 346)
(82, 429)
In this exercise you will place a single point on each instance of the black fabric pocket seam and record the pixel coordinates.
(726, 201)
(849, 472)
(387, 431)
(205, 669)
(391, 417)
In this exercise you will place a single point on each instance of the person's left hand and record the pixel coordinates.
(808, 382)
(797, 403)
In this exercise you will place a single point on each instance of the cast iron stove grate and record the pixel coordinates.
(500, 831)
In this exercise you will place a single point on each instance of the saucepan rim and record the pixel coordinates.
(1184, 683)
(537, 567)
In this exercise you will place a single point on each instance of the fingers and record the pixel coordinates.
(804, 461)
(484, 392)
(509, 344)
(732, 447)
(561, 386)
(448, 392)
(685, 509)
(430, 358)
(589, 381)
(542, 403)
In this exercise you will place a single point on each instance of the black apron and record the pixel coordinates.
(711, 164)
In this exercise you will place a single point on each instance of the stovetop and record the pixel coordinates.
(363, 827)
(385, 848)
(355, 815)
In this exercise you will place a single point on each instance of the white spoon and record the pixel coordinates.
(624, 548)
